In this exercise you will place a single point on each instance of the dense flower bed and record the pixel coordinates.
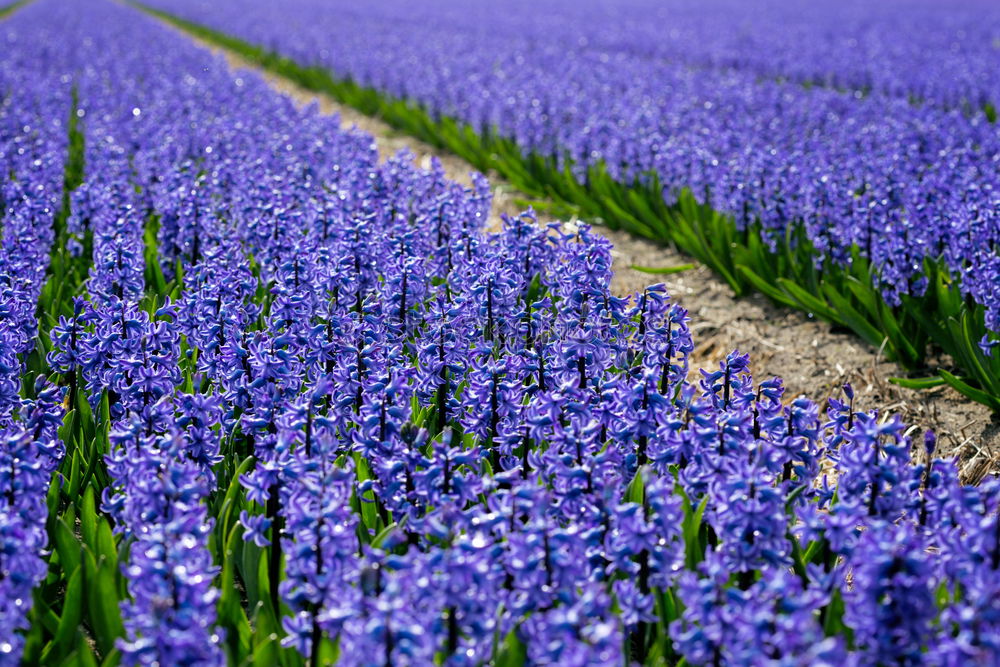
(902, 182)
(292, 405)
(33, 154)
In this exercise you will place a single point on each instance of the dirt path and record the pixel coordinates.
(811, 358)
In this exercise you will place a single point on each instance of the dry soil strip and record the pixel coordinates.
(812, 359)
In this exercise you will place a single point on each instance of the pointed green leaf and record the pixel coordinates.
(971, 392)
(66, 637)
(88, 519)
(67, 546)
(663, 270)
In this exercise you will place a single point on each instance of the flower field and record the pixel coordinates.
(268, 399)
(870, 202)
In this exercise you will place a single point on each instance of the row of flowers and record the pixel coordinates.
(33, 150)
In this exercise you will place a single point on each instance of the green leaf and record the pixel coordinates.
(88, 519)
(990, 111)
(369, 513)
(636, 491)
(232, 494)
(808, 302)
(69, 427)
(328, 652)
(918, 383)
(970, 392)
(798, 559)
(231, 614)
(156, 283)
(761, 285)
(790, 498)
(534, 290)
(106, 547)
(74, 478)
(990, 384)
(66, 636)
(112, 658)
(513, 652)
(668, 609)
(692, 532)
(852, 318)
(249, 566)
(43, 614)
(86, 415)
(52, 497)
(663, 270)
(104, 615)
(386, 532)
(267, 631)
(833, 622)
(878, 311)
(83, 656)
(67, 546)
(265, 652)
(812, 549)
(105, 409)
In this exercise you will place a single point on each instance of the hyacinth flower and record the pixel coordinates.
(267, 485)
(792, 446)
(772, 622)
(454, 584)
(642, 543)
(321, 544)
(25, 237)
(396, 473)
(387, 624)
(294, 299)
(580, 631)
(440, 361)
(465, 578)
(118, 254)
(199, 414)
(30, 452)
(527, 246)
(497, 284)
(969, 627)
(874, 467)
(405, 289)
(637, 410)
(664, 337)
(170, 616)
(385, 411)
(449, 477)
(748, 514)
(361, 362)
(216, 304)
(67, 355)
(891, 606)
(544, 562)
(133, 358)
(10, 369)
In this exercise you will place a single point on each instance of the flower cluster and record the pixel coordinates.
(30, 453)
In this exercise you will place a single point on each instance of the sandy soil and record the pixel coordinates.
(812, 359)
